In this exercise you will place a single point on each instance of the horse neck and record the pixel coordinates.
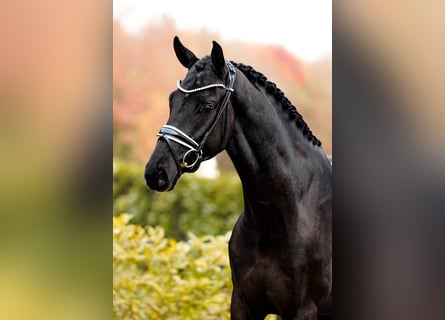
(271, 155)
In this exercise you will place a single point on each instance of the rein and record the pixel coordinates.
(170, 133)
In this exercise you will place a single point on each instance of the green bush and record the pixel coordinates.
(159, 278)
(202, 206)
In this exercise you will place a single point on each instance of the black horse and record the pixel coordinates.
(280, 249)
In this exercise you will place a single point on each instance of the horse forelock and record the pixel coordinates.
(199, 73)
(199, 65)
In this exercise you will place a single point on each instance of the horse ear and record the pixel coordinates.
(184, 55)
(218, 58)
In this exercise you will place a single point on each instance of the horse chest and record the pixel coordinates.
(262, 283)
(262, 272)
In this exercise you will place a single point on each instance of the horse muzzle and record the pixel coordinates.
(161, 171)
(157, 179)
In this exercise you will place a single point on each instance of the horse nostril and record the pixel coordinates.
(157, 180)
(162, 180)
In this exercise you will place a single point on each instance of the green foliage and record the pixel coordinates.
(159, 278)
(202, 206)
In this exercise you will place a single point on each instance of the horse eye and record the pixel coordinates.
(206, 108)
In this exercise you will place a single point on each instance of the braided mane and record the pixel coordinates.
(271, 88)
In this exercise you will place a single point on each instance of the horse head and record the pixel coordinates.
(201, 118)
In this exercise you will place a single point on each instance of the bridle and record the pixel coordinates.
(171, 134)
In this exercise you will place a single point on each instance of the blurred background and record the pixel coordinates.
(389, 174)
(55, 162)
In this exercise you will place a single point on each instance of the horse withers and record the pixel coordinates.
(280, 249)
